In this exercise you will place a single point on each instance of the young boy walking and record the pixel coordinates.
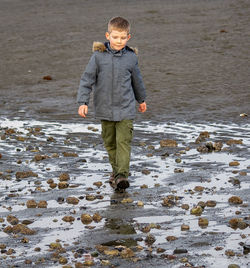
(115, 78)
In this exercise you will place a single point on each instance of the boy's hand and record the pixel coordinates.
(142, 107)
(83, 110)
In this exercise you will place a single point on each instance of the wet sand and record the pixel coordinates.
(194, 57)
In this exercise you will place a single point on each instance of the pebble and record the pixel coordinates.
(171, 238)
(168, 143)
(196, 211)
(68, 219)
(127, 200)
(185, 227)
(42, 204)
(145, 171)
(235, 200)
(140, 204)
(31, 204)
(180, 251)
(12, 220)
(86, 219)
(232, 141)
(64, 177)
(98, 184)
(211, 203)
(234, 164)
(63, 185)
(203, 222)
(97, 217)
(185, 206)
(198, 188)
(72, 200)
(150, 239)
(233, 266)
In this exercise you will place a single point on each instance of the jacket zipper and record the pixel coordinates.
(112, 87)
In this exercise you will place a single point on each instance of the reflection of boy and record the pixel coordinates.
(114, 75)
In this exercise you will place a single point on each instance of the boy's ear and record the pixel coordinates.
(107, 35)
(129, 36)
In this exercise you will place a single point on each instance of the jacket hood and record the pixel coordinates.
(101, 47)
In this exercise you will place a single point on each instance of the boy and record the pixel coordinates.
(113, 74)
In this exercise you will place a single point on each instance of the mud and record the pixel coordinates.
(194, 57)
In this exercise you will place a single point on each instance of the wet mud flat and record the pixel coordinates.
(188, 204)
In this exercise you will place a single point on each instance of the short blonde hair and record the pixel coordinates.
(119, 23)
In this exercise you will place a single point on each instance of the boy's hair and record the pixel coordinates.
(119, 23)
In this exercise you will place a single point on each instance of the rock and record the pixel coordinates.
(127, 253)
(145, 171)
(196, 211)
(232, 141)
(234, 164)
(62, 260)
(233, 266)
(178, 160)
(64, 177)
(39, 157)
(201, 204)
(31, 204)
(86, 219)
(171, 238)
(235, 200)
(217, 146)
(12, 220)
(72, 200)
(178, 170)
(180, 251)
(202, 137)
(185, 206)
(144, 186)
(127, 200)
(203, 222)
(19, 228)
(112, 252)
(198, 188)
(150, 239)
(90, 197)
(97, 217)
(230, 253)
(25, 174)
(68, 154)
(55, 245)
(47, 77)
(63, 185)
(98, 184)
(168, 143)
(140, 204)
(105, 262)
(168, 202)
(68, 219)
(185, 227)
(211, 203)
(42, 204)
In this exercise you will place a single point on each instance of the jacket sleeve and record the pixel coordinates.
(137, 84)
(87, 81)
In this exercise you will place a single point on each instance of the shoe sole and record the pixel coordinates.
(124, 184)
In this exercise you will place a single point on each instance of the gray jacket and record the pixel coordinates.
(116, 81)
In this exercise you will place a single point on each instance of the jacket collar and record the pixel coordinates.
(105, 47)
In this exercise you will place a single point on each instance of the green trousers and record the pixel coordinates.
(117, 137)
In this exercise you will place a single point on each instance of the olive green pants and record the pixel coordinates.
(117, 137)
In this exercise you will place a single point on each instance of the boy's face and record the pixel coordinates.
(117, 39)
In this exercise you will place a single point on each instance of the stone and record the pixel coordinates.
(55, 245)
(140, 204)
(69, 154)
(72, 200)
(63, 185)
(171, 238)
(90, 197)
(196, 211)
(112, 252)
(168, 143)
(105, 262)
(185, 206)
(31, 204)
(145, 171)
(127, 253)
(235, 200)
(68, 219)
(168, 202)
(64, 177)
(98, 184)
(97, 217)
(25, 174)
(203, 222)
(42, 204)
(23, 229)
(144, 186)
(185, 227)
(230, 253)
(178, 170)
(232, 141)
(198, 188)
(233, 266)
(234, 164)
(12, 220)
(127, 200)
(211, 203)
(86, 219)
(180, 251)
(150, 239)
